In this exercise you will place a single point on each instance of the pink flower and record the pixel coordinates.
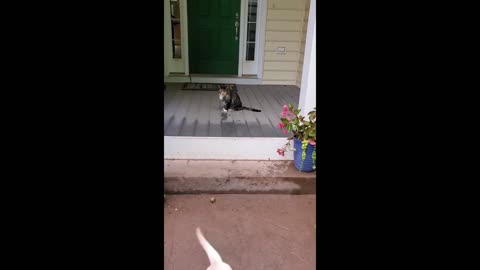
(289, 119)
(285, 131)
(312, 142)
(281, 152)
(280, 126)
(285, 110)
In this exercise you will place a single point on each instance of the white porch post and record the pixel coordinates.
(308, 89)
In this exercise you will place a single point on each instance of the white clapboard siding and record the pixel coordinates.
(279, 82)
(285, 27)
(284, 15)
(283, 36)
(279, 57)
(286, 4)
(292, 46)
(285, 66)
(285, 75)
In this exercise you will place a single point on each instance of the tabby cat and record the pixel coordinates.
(231, 100)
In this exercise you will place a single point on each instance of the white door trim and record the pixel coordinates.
(167, 36)
(259, 40)
(247, 65)
(241, 38)
(184, 26)
(171, 64)
(262, 22)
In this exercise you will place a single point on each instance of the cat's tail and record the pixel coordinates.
(212, 254)
(251, 109)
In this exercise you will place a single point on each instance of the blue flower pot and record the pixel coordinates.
(297, 156)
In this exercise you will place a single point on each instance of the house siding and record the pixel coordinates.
(285, 27)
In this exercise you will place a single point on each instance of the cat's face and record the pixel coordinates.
(223, 93)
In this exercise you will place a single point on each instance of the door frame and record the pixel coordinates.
(182, 65)
(171, 64)
(174, 65)
(259, 38)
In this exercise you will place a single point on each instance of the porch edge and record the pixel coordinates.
(224, 148)
(236, 177)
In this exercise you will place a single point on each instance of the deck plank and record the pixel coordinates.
(261, 117)
(240, 122)
(190, 124)
(288, 94)
(271, 111)
(215, 121)
(292, 93)
(172, 99)
(250, 117)
(203, 114)
(271, 93)
(228, 126)
(282, 97)
(275, 92)
(179, 116)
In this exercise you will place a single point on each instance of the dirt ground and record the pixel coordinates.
(260, 231)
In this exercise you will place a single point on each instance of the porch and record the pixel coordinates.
(271, 58)
(197, 113)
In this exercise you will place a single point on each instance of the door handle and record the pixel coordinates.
(236, 30)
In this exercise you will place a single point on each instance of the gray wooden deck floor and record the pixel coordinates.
(199, 113)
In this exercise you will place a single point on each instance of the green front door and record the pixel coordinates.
(213, 36)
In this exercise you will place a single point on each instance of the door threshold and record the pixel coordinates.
(212, 78)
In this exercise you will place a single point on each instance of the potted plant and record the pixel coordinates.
(304, 137)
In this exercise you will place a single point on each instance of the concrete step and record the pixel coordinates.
(236, 177)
